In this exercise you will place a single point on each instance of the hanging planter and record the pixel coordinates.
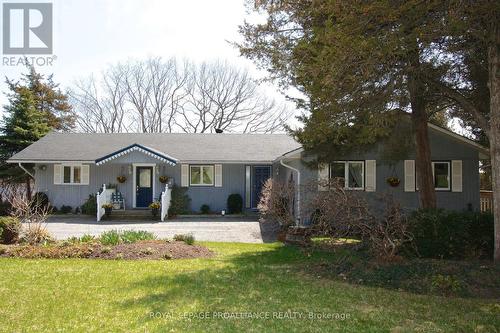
(121, 179)
(163, 179)
(393, 181)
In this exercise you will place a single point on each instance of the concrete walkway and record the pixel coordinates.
(218, 229)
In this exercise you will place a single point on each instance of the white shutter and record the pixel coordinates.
(371, 175)
(184, 175)
(409, 175)
(57, 173)
(248, 195)
(218, 175)
(323, 176)
(85, 174)
(456, 176)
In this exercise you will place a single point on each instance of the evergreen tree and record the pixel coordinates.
(35, 107)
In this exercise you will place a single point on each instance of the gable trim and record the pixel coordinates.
(137, 147)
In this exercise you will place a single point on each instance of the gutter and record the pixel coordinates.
(297, 220)
(25, 170)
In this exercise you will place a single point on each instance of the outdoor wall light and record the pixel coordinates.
(129, 169)
(43, 167)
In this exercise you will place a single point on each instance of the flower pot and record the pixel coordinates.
(155, 212)
(393, 181)
(121, 179)
(163, 179)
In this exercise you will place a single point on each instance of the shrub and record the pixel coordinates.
(41, 199)
(90, 206)
(276, 202)
(179, 203)
(10, 228)
(36, 234)
(66, 209)
(234, 204)
(5, 208)
(205, 209)
(452, 235)
(188, 238)
(446, 285)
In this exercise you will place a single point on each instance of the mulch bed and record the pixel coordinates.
(150, 249)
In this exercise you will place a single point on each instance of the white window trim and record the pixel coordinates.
(346, 174)
(202, 166)
(449, 175)
(71, 174)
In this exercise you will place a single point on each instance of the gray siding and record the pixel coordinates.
(443, 148)
(233, 181)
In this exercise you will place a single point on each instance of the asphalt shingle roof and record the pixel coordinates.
(183, 147)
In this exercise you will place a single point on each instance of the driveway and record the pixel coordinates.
(218, 229)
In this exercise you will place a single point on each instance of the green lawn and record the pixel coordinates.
(117, 295)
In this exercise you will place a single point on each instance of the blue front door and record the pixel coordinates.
(144, 186)
(260, 175)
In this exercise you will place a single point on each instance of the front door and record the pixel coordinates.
(143, 187)
(260, 175)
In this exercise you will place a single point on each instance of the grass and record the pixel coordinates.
(173, 296)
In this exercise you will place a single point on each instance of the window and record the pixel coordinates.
(441, 172)
(201, 175)
(72, 174)
(350, 174)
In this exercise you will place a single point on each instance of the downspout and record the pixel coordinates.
(25, 170)
(297, 222)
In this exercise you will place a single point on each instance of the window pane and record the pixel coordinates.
(208, 175)
(355, 174)
(145, 178)
(67, 175)
(441, 175)
(76, 174)
(196, 175)
(337, 172)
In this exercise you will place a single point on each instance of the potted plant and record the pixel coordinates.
(155, 208)
(121, 179)
(163, 179)
(108, 208)
(393, 181)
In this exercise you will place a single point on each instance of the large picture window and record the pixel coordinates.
(350, 174)
(441, 172)
(201, 175)
(72, 174)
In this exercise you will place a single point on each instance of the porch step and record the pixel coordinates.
(133, 214)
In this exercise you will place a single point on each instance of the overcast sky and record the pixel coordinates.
(89, 34)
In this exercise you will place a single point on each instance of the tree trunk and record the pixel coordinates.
(494, 85)
(28, 187)
(423, 163)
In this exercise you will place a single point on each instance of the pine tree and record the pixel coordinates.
(35, 108)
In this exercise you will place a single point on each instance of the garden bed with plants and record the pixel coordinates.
(111, 245)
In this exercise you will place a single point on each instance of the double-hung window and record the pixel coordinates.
(201, 175)
(441, 172)
(72, 174)
(350, 174)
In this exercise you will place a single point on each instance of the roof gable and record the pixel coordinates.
(137, 147)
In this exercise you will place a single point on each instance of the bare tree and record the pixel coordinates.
(223, 97)
(100, 105)
(157, 95)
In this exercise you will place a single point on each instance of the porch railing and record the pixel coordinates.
(101, 200)
(165, 202)
(486, 201)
